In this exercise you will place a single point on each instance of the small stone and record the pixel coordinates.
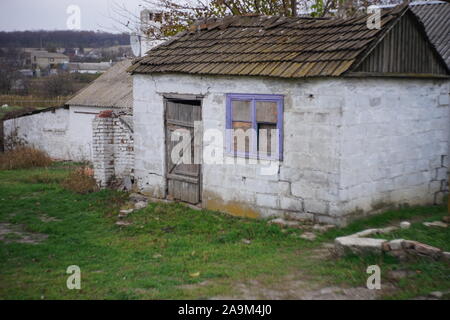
(386, 247)
(283, 223)
(387, 230)
(124, 213)
(308, 236)
(446, 256)
(400, 274)
(123, 223)
(436, 294)
(405, 225)
(408, 244)
(358, 245)
(365, 233)
(399, 254)
(396, 244)
(246, 241)
(157, 256)
(446, 219)
(136, 197)
(323, 227)
(427, 250)
(436, 224)
(140, 205)
(369, 232)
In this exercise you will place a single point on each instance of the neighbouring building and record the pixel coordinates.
(357, 118)
(41, 59)
(89, 67)
(65, 133)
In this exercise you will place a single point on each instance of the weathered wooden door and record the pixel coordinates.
(183, 179)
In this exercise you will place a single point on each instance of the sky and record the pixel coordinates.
(52, 14)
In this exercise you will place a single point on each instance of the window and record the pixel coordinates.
(255, 125)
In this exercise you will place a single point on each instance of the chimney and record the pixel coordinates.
(151, 22)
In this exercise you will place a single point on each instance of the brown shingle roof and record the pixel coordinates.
(267, 46)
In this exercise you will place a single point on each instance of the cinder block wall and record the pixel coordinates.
(113, 152)
(338, 134)
(394, 144)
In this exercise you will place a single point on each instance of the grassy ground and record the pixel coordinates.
(171, 251)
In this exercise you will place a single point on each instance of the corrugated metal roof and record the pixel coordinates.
(113, 89)
(271, 46)
(436, 18)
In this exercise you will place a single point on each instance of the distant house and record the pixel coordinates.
(66, 132)
(42, 59)
(357, 118)
(89, 67)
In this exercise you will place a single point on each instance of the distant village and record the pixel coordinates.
(40, 62)
(47, 68)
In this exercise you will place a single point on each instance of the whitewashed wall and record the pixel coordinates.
(337, 133)
(65, 134)
(394, 144)
(47, 131)
(80, 132)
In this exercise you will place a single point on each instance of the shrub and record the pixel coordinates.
(24, 157)
(81, 181)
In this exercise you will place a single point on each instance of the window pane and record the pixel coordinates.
(267, 132)
(266, 111)
(241, 136)
(241, 110)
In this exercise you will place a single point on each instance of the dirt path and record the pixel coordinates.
(300, 286)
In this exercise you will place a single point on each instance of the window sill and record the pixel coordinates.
(252, 157)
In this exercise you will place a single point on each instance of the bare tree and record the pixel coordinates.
(172, 16)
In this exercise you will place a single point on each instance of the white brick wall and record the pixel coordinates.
(349, 144)
(113, 149)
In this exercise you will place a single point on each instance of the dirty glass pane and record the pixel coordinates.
(242, 110)
(267, 132)
(266, 111)
(241, 136)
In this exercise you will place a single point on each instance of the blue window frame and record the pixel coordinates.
(261, 113)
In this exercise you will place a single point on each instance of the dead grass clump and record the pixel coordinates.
(81, 181)
(23, 158)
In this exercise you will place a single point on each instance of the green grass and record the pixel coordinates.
(166, 247)
(169, 246)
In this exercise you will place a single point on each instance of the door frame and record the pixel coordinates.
(187, 97)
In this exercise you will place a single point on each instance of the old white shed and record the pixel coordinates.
(360, 116)
(65, 133)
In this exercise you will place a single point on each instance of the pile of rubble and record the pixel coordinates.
(360, 243)
(137, 202)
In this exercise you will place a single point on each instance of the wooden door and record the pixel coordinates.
(183, 180)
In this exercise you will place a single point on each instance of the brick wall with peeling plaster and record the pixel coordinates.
(351, 146)
(113, 150)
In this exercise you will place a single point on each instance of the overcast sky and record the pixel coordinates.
(51, 14)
